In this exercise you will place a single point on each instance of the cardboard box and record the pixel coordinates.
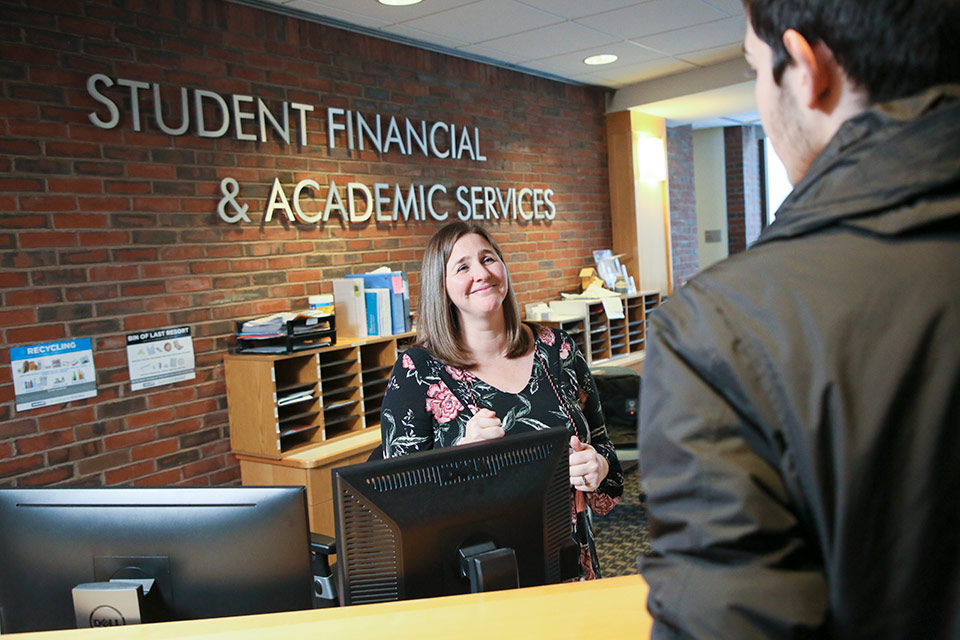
(588, 276)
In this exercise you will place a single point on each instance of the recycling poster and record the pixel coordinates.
(53, 373)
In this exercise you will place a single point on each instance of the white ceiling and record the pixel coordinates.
(653, 39)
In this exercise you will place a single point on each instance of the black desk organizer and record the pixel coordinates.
(298, 336)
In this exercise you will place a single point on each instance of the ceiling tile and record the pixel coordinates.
(632, 74)
(656, 16)
(579, 8)
(495, 54)
(715, 55)
(554, 36)
(564, 71)
(372, 9)
(485, 20)
(627, 53)
(732, 7)
(554, 40)
(423, 36)
(726, 32)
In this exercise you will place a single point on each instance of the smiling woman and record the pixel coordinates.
(476, 373)
(476, 280)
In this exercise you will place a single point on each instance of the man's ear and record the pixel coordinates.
(812, 77)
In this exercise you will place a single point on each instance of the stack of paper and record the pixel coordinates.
(276, 324)
(267, 326)
(612, 304)
(294, 398)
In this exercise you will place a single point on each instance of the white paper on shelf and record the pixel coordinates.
(593, 292)
(293, 398)
(613, 307)
(612, 303)
(351, 308)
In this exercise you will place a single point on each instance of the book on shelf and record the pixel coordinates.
(379, 322)
(396, 283)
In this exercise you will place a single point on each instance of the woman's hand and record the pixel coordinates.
(587, 467)
(484, 425)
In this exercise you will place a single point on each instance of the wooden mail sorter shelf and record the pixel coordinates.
(280, 404)
(601, 338)
(295, 417)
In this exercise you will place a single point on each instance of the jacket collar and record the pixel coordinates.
(878, 165)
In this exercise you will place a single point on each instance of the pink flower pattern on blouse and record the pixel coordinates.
(408, 362)
(442, 403)
(565, 350)
(546, 336)
(458, 374)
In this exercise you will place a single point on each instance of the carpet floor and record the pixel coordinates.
(621, 535)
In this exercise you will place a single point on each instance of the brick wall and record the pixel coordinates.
(744, 185)
(683, 204)
(733, 156)
(109, 232)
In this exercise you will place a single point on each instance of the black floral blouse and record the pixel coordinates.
(424, 408)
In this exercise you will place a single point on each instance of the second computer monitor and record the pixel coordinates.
(404, 524)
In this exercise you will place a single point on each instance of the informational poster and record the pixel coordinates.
(160, 357)
(53, 373)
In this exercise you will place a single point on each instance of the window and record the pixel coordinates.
(777, 185)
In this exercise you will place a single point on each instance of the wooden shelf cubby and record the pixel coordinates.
(294, 417)
(280, 403)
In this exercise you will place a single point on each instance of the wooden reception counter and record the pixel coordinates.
(609, 608)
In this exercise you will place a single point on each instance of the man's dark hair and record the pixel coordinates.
(890, 48)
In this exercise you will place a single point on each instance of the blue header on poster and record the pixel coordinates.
(50, 349)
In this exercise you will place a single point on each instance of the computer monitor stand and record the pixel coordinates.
(489, 568)
(118, 602)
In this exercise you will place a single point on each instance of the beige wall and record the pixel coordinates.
(709, 176)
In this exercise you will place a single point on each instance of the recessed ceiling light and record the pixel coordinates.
(603, 58)
(399, 3)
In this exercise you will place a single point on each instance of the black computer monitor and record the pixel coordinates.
(404, 524)
(212, 551)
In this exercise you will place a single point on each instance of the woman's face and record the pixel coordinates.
(476, 278)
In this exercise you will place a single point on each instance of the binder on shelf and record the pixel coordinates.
(396, 283)
(372, 308)
(407, 317)
(350, 307)
(379, 315)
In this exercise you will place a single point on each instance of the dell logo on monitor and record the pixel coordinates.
(106, 616)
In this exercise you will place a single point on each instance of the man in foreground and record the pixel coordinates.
(800, 429)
